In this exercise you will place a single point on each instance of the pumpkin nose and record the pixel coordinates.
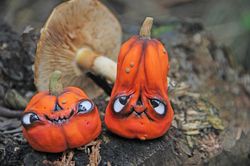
(139, 101)
(57, 107)
(139, 109)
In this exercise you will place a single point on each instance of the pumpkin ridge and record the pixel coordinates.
(164, 81)
(147, 76)
(129, 49)
(75, 90)
(37, 100)
(142, 60)
(144, 66)
(141, 57)
(65, 137)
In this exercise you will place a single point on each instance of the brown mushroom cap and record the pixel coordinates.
(74, 25)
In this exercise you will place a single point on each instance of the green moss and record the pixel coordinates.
(158, 31)
(245, 20)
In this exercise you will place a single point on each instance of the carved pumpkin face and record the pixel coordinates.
(139, 106)
(56, 123)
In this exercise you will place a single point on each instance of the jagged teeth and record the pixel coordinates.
(59, 120)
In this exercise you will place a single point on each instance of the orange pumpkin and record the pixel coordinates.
(139, 106)
(59, 119)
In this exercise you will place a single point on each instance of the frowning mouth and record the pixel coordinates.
(60, 120)
(139, 114)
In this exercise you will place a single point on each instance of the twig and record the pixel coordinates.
(5, 112)
(17, 130)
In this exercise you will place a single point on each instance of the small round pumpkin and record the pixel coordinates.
(60, 119)
(139, 106)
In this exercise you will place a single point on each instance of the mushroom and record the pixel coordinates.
(78, 37)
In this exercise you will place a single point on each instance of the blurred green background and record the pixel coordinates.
(227, 20)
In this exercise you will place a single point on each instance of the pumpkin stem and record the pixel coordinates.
(55, 84)
(145, 30)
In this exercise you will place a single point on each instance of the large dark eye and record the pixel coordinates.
(158, 106)
(85, 106)
(29, 118)
(119, 103)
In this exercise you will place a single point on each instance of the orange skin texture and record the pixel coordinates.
(80, 129)
(142, 72)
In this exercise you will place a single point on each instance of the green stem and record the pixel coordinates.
(145, 30)
(55, 84)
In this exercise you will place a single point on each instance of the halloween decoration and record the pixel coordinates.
(79, 36)
(59, 119)
(139, 106)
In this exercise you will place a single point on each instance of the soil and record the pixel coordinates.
(207, 90)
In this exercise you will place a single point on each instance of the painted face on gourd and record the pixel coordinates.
(139, 106)
(56, 123)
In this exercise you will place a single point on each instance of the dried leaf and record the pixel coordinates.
(184, 147)
(216, 122)
(95, 157)
(190, 141)
(65, 161)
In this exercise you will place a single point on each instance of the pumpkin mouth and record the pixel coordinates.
(139, 114)
(60, 120)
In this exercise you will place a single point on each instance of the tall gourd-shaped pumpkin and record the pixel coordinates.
(139, 106)
(60, 119)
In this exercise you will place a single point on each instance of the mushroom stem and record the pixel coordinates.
(145, 30)
(55, 84)
(88, 59)
(106, 67)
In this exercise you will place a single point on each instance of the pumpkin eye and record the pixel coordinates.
(29, 118)
(85, 106)
(119, 103)
(158, 106)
